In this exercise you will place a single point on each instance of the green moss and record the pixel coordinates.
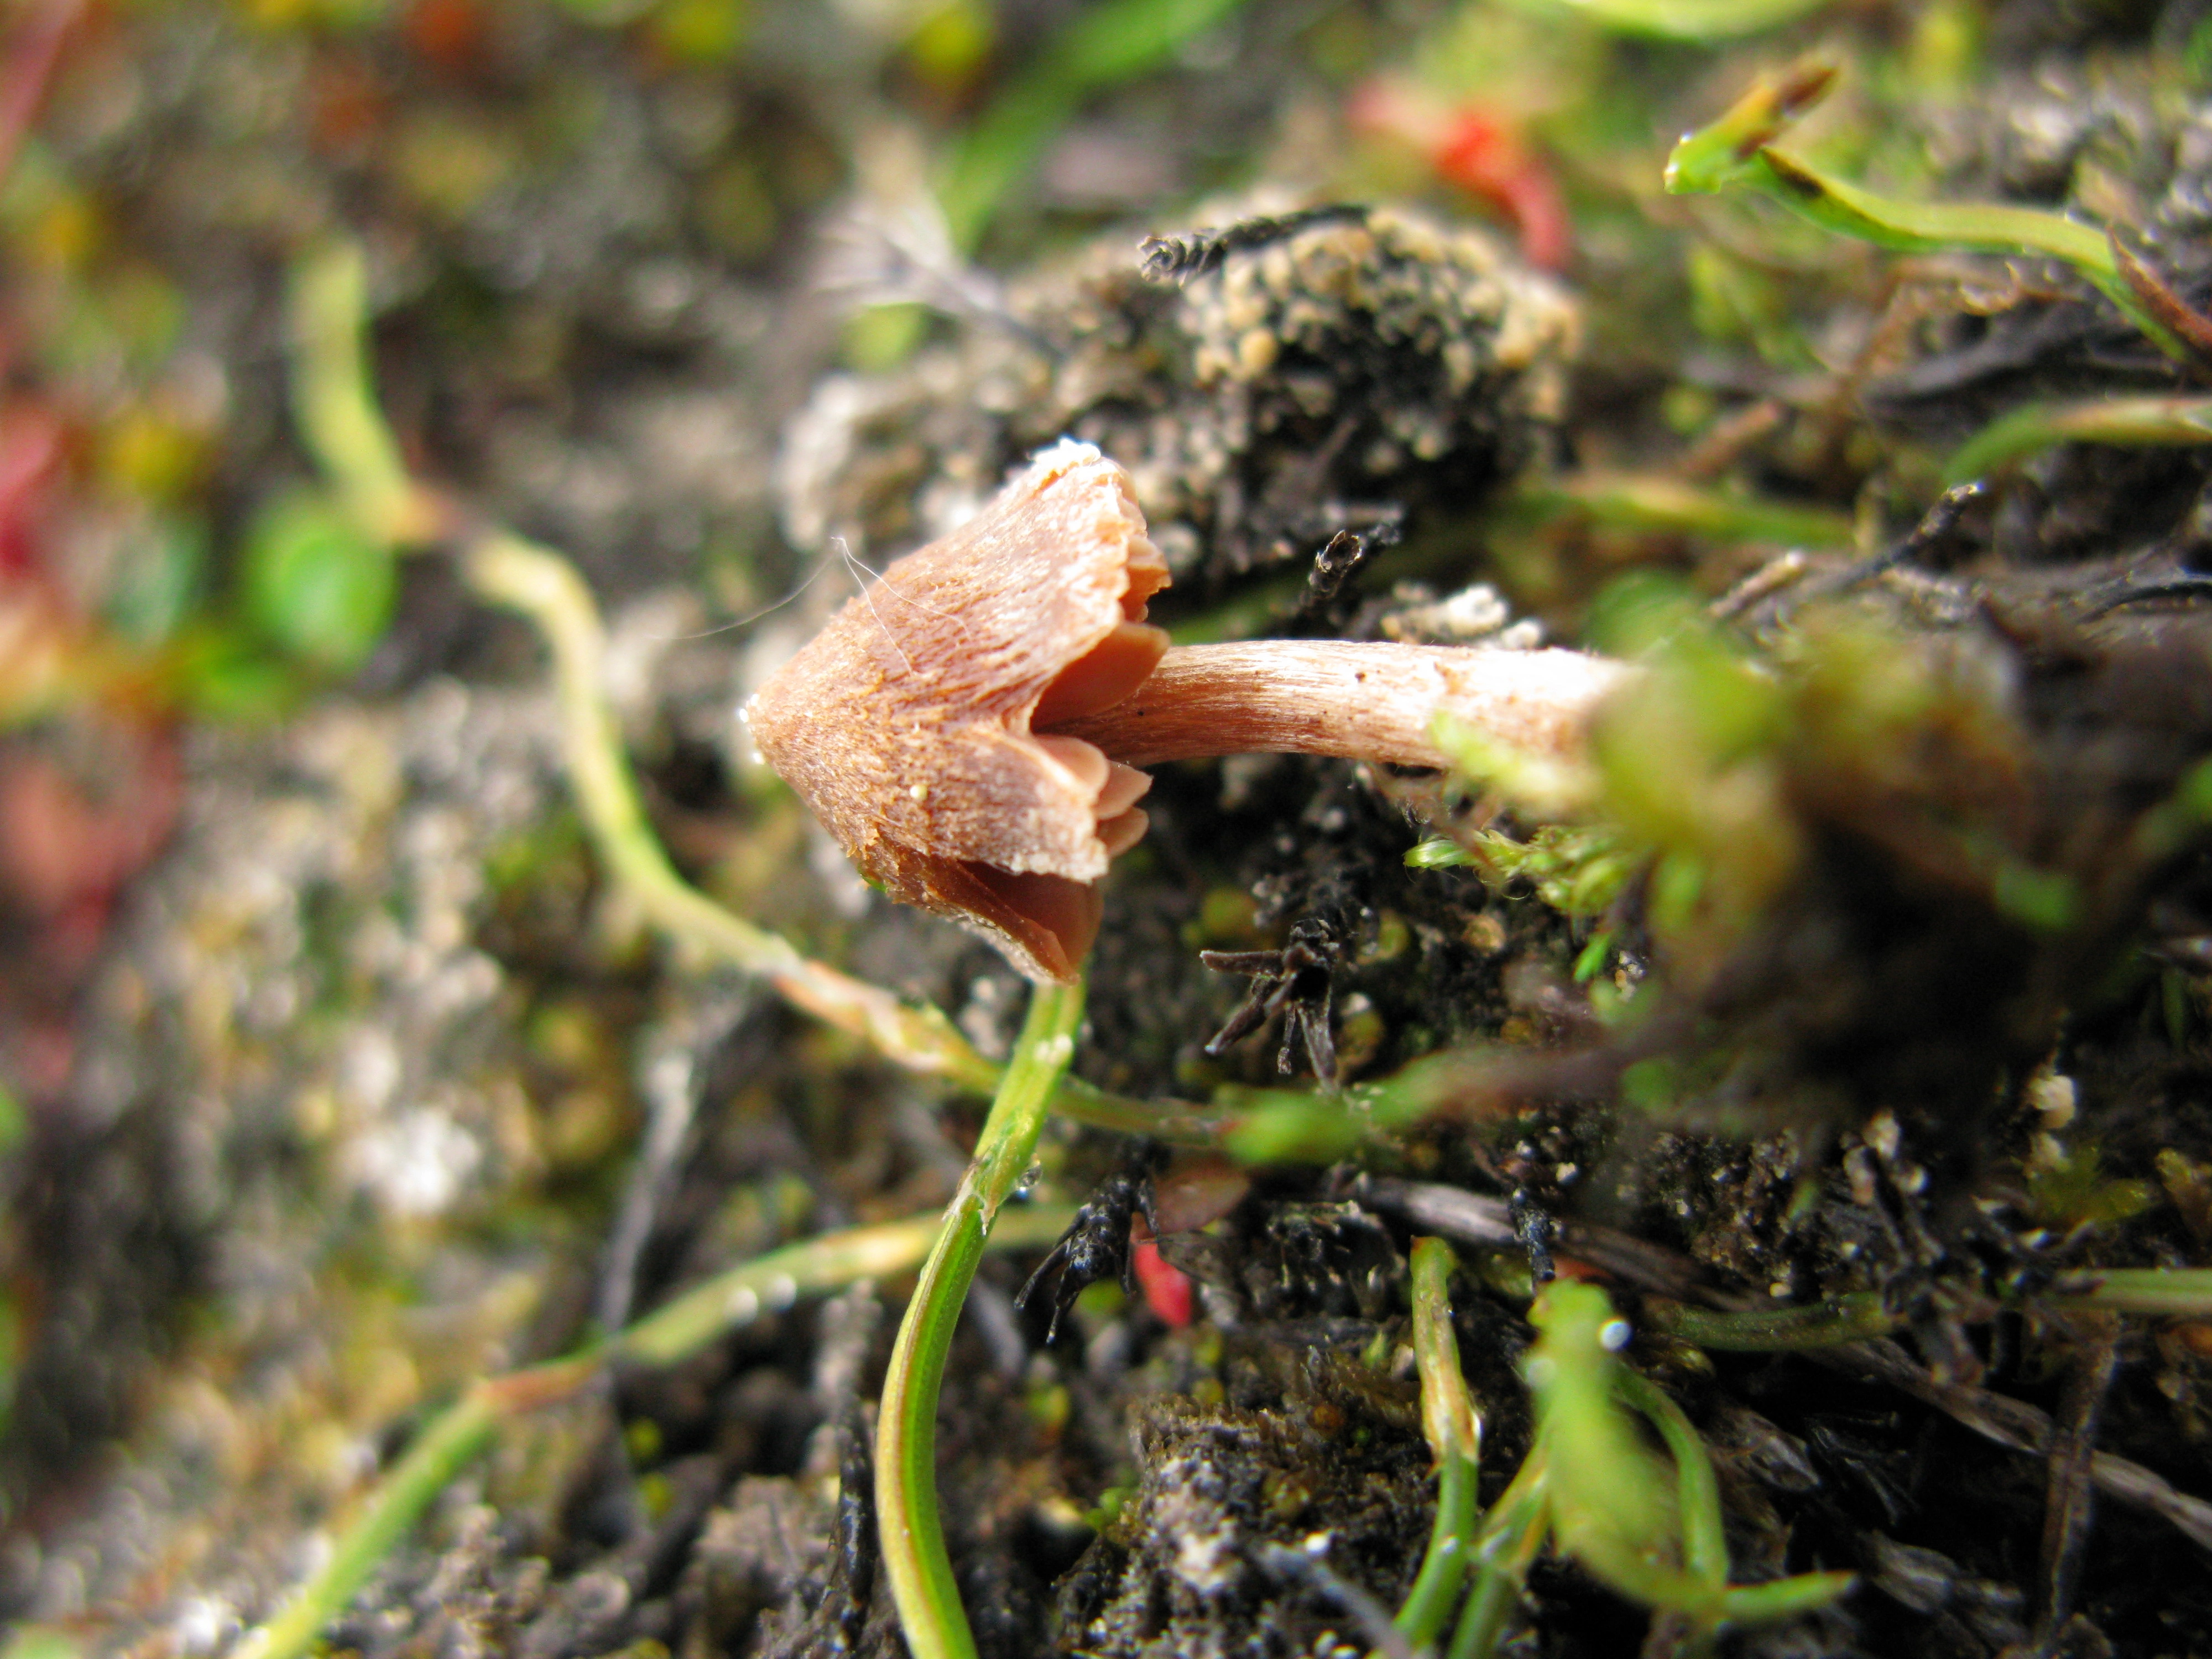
(2068, 1188)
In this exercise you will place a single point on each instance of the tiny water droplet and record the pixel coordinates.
(1030, 1176)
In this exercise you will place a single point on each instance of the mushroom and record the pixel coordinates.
(969, 726)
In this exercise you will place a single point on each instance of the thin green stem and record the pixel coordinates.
(1511, 1537)
(685, 1326)
(2135, 422)
(1697, 1490)
(711, 1308)
(2182, 1292)
(1652, 502)
(1860, 1316)
(440, 1452)
(1177, 1122)
(913, 1537)
(1855, 1316)
(1428, 1605)
(333, 395)
(1454, 1435)
(1285, 1126)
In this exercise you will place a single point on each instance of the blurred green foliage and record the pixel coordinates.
(314, 584)
(1693, 20)
(1102, 45)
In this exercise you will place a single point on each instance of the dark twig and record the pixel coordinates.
(2189, 326)
(2070, 1505)
(2183, 587)
(2016, 1424)
(1937, 526)
(1473, 1218)
(854, 1583)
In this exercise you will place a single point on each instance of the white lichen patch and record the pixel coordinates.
(415, 1165)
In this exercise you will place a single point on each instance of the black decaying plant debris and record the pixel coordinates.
(1295, 982)
(1096, 1244)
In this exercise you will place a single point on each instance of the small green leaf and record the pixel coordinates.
(315, 584)
(220, 674)
(1592, 961)
(1438, 852)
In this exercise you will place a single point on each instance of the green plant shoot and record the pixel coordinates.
(1737, 152)
(913, 1537)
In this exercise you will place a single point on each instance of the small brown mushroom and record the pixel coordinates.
(907, 723)
(969, 726)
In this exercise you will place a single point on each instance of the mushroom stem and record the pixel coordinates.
(1361, 700)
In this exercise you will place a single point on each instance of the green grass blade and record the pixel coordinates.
(915, 1561)
(1854, 1317)
(2179, 1292)
(1736, 152)
(2140, 422)
(1106, 44)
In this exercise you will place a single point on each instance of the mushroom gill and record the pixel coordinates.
(907, 722)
